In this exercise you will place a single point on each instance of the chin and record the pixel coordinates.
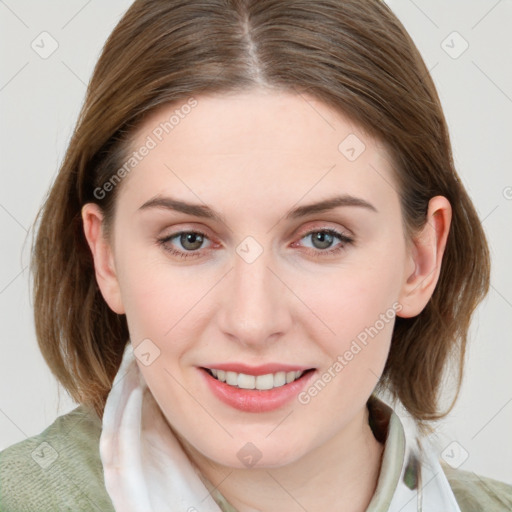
(257, 455)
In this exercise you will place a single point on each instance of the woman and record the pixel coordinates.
(257, 228)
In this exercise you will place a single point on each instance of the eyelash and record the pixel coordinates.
(345, 240)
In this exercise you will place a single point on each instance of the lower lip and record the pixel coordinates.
(255, 400)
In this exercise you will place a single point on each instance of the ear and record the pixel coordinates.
(103, 257)
(425, 256)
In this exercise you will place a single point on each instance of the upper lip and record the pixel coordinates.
(261, 369)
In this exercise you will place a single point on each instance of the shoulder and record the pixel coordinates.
(475, 493)
(58, 469)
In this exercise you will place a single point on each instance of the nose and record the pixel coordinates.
(255, 304)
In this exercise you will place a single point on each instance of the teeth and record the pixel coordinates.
(279, 379)
(246, 381)
(261, 382)
(264, 381)
(232, 378)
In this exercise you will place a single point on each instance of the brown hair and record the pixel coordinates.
(353, 55)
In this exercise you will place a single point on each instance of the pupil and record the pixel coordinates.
(323, 238)
(193, 238)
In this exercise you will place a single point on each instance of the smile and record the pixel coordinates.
(260, 382)
(256, 393)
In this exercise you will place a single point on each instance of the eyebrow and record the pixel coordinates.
(197, 210)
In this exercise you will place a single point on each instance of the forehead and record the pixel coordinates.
(256, 146)
(251, 121)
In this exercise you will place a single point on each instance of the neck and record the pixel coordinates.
(340, 474)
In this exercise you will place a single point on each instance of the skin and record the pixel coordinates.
(252, 157)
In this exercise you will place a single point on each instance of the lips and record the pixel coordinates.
(246, 394)
(257, 370)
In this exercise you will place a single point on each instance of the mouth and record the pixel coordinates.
(263, 382)
(261, 393)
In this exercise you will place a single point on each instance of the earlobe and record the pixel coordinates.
(102, 253)
(425, 258)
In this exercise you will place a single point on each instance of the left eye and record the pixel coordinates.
(324, 238)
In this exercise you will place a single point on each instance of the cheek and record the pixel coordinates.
(156, 297)
(357, 305)
(359, 310)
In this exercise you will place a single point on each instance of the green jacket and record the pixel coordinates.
(60, 470)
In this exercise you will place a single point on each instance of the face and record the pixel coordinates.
(266, 285)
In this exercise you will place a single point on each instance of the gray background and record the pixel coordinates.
(39, 102)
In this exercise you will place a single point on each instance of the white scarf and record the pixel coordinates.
(146, 470)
